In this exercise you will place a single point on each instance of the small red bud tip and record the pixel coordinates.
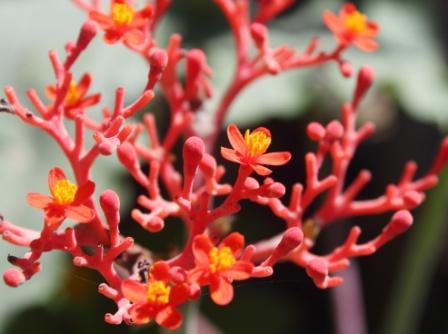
(317, 269)
(87, 33)
(251, 184)
(195, 63)
(259, 33)
(158, 60)
(156, 224)
(315, 131)
(109, 201)
(413, 198)
(401, 222)
(365, 80)
(195, 291)
(346, 69)
(292, 238)
(13, 277)
(276, 190)
(335, 130)
(208, 165)
(127, 155)
(193, 151)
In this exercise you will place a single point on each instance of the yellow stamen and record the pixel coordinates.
(64, 192)
(73, 94)
(257, 142)
(221, 259)
(158, 293)
(122, 14)
(356, 22)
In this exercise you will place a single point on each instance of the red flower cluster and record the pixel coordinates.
(66, 200)
(352, 26)
(76, 99)
(219, 266)
(123, 21)
(192, 191)
(250, 150)
(157, 300)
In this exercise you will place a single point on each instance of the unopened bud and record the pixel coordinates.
(365, 80)
(400, 222)
(110, 203)
(346, 69)
(335, 130)
(315, 131)
(128, 156)
(13, 277)
(87, 33)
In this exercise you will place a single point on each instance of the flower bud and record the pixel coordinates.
(365, 80)
(13, 277)
(110, 203)
(128, 156)
(315, 131)
(87, 33)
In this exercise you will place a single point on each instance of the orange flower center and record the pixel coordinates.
(356, 22)
(158, 293)
(73, 94)
(122, 14)
(221, 259)
(64, 192)
(257, 142)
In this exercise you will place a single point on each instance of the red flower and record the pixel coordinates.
(76, 100)
(123, 21)
(157, 299)
(352, 26)
(218, 266)
(249, 150)
(66, 200)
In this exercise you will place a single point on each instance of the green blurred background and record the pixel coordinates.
(404, 285)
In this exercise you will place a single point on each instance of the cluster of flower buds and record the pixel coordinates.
(211, 258)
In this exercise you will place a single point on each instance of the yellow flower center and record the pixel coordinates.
(221, 259)
(257, 142)
(64, 192)
(158, 293)
(122, 14)
(356, 22)
(73, 94)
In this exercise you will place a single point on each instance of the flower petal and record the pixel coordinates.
(230, 154)
(103, 20)
(179, 294)
(112, 36)
(260, 170)
(84, 192)
(366, 44)
(235, 241)
(84, 84)
(201, 248)
(274, 158)
(140, 314)
(221, 291)
(56, 174)
(79, 213)
(169, 317)
(236, 139)
(38, 201)
(332, 22)
(160, 271)
(50, 92)
(134, 291)
(133, 37)
(89, 101)
(239, 271)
